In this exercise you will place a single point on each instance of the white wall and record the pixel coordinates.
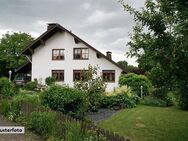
(42, 62)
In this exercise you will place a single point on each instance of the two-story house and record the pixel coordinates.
(63, 55)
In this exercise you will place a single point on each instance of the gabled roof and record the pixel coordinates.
(54, 28)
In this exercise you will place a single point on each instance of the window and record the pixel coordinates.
(81, 53)
(58, 54)
(79, 75)
(108, 75)
(58, 75)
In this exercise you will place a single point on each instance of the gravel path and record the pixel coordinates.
(28, 136)
(101, 114)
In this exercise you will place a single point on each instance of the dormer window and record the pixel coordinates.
(81, 53)
(58, 54)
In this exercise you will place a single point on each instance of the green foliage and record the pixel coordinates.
(93, 85)
(67, 100)
(121, 97)
(26, 97)
(153, 101)
(124, 64)
(10, 109)
(135, 82)
(5, 107)
(42, 123)
(49, 81)
(74, 133)
(160, 43)
(32, 85)
(130, 68)
(7, 88)
(11, 45)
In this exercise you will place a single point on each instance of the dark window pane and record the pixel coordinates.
(108, 75)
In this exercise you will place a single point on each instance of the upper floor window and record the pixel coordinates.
(81, 53)
(58, 75)
(79, 75)
(108, 75)
(58, 54)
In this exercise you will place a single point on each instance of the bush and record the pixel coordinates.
(42, 123)
(93, 85)
(135, 82)
(49, 81)
(5, 107)
(32, 85)
(121, 97)
(26, 97)
(7, 88)
(67, 100)
(169, 97)
(10, 109)
(153, 101)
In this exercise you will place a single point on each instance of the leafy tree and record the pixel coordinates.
(159, 40)
(93, 85)
(124, 64)
(11, 44)
(130, 68)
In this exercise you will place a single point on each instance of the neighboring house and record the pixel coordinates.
(63, 55)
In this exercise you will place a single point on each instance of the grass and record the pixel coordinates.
(146, 123)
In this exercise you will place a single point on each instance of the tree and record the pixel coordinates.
(93, 85)
(159, 40)
(11, 44)
(124, 64)
(130, 68)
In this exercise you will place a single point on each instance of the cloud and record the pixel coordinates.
(102, 23)
(98, 17)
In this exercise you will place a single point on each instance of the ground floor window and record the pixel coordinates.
(79, 75)
(58, 75)
(108, 75)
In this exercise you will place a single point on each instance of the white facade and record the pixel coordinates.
(42, 63)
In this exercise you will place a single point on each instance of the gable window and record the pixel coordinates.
(79, 75)
(58, 75)
(81, 53)
(58, 54)
(108, 75)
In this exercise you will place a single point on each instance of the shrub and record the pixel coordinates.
(7, 88)
(10, 109)
(120, 98)
(67, 100)
(135, 82)
(169, 97)
(42, 123)
(49, 81)
(93, 85)
(26, 97)
(32, 85)
(153, 101)
(5, 107)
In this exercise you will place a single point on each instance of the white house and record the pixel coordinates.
(61, 54)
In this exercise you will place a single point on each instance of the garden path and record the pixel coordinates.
(100, 115)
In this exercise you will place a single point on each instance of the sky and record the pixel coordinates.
(102, 23)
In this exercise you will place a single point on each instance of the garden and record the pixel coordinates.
(59, 113)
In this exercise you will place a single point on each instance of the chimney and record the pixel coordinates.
(51, 25)
(109, 54)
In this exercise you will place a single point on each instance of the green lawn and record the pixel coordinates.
(146, 123)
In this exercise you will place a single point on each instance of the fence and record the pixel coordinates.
(27, 108)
